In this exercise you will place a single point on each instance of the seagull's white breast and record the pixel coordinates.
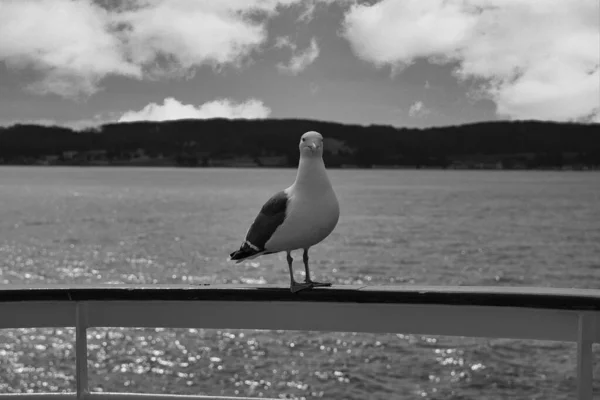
(312, 215)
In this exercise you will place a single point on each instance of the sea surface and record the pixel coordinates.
(397, 227)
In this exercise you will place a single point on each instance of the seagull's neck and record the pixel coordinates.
(311, 173)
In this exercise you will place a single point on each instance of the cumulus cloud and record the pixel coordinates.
(310, 7)
(68, 43)
(93, 123)
(284, 41)
(418, 109)
(309, 12)
(40, 121)
(186, 33)
(73, 45)
(222, 108)
(535, 59)
(300, 59)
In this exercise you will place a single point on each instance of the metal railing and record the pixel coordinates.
(570, 315)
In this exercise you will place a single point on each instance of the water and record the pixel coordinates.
(127, 225)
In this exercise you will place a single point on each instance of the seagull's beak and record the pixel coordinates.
(313, 146)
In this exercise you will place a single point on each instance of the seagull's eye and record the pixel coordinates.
(303, 139)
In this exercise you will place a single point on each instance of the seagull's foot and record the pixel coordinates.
(296, 287)
(319, 284)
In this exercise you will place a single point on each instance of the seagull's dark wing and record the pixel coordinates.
(271, 215)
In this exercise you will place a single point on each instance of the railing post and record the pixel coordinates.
(81, 350)
(585, 356)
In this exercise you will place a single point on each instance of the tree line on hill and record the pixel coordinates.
(273, 142)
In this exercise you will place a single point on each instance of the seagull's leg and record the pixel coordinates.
(295, 286)
(307, 278)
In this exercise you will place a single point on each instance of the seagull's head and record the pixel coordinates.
(311, 144)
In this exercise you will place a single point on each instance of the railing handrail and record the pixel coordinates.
(119, 396)
(508, 312)
(494, 296)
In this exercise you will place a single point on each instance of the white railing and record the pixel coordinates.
(492, 312)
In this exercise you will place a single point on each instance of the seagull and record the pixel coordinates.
(298, 217)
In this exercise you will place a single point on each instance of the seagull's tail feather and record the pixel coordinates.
(245, 252)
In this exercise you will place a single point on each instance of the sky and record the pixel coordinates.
(414, 63)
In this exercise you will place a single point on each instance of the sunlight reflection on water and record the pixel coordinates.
(406, 227)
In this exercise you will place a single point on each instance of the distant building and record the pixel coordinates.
(273, 161)
(49, 159)
(69, 155)
(238, 162)
(95, 154)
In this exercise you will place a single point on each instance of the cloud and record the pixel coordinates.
(173, 109)
(300, 59)
(40, 121)
(418, 109)
(535, 59)
(310, 8)
(77, 125)
(67, 43)
(314, 88)
(73, 45)
(284, 41)
(309, 12)
(184, 33)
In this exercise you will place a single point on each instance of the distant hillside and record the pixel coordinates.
(273, 143)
